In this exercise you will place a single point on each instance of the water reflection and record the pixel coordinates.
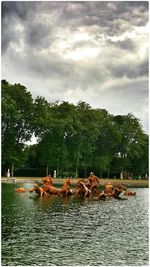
(69, 231)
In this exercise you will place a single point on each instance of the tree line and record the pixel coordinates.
(71, 139)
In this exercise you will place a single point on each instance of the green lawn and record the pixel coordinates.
(125, 182)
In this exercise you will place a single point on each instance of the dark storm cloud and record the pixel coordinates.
(126, 44)
(8, 34)
(144, 68)
(105, 14)
(12, 13)
(20, 9)
(132, 71)
(37, 35)
(73, 14)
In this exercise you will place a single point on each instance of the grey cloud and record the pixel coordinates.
(132, 70)
(70, 74)
(136, 89)
(143, 68)
(12, 13)
(37, 35)
(105, 13)
(53, 68)
(129, 96)
(47, 67)
(20, 9)
(73, 14)
(8, 35)
(126, 44)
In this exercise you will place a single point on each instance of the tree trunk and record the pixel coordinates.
(108, 171)
(76, 171)
(12, 170)
(58, 162)
(67, 169)
(77, 163)
(47, 170)
(85, 172)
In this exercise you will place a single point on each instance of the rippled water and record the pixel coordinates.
(69, 231)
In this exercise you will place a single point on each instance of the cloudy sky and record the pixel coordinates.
(71, 51)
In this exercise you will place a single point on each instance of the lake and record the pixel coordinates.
(70, 231)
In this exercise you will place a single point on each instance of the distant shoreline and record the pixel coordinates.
(125, 182)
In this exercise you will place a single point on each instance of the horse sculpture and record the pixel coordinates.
(92, 184)
(81, 189)
(117, 191)
(49, 188)
(39, 190)
(92, 180)
(65, 190)
(95, 190)
(21, 190)
(108, 188)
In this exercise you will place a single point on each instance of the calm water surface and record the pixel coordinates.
(69, 231)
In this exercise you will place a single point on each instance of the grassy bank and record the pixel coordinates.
(125, 182)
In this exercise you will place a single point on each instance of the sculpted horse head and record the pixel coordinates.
(68, 181)
(47, 180)
(65, 190)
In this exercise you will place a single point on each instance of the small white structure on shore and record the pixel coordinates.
(121, 175)
(54, 173)
(8, 173)
(10, 179)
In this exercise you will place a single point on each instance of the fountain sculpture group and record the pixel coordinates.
(89, 187)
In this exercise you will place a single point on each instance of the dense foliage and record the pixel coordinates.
(71, 139)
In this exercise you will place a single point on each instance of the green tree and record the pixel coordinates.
(107, 142)
(16, 123)
(139, 156)
(131, 141)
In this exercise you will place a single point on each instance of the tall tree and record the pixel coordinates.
(16, 123)
(132, 139)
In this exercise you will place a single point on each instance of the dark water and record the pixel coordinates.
(69, 231)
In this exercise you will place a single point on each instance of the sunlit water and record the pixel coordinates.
(69, 231)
